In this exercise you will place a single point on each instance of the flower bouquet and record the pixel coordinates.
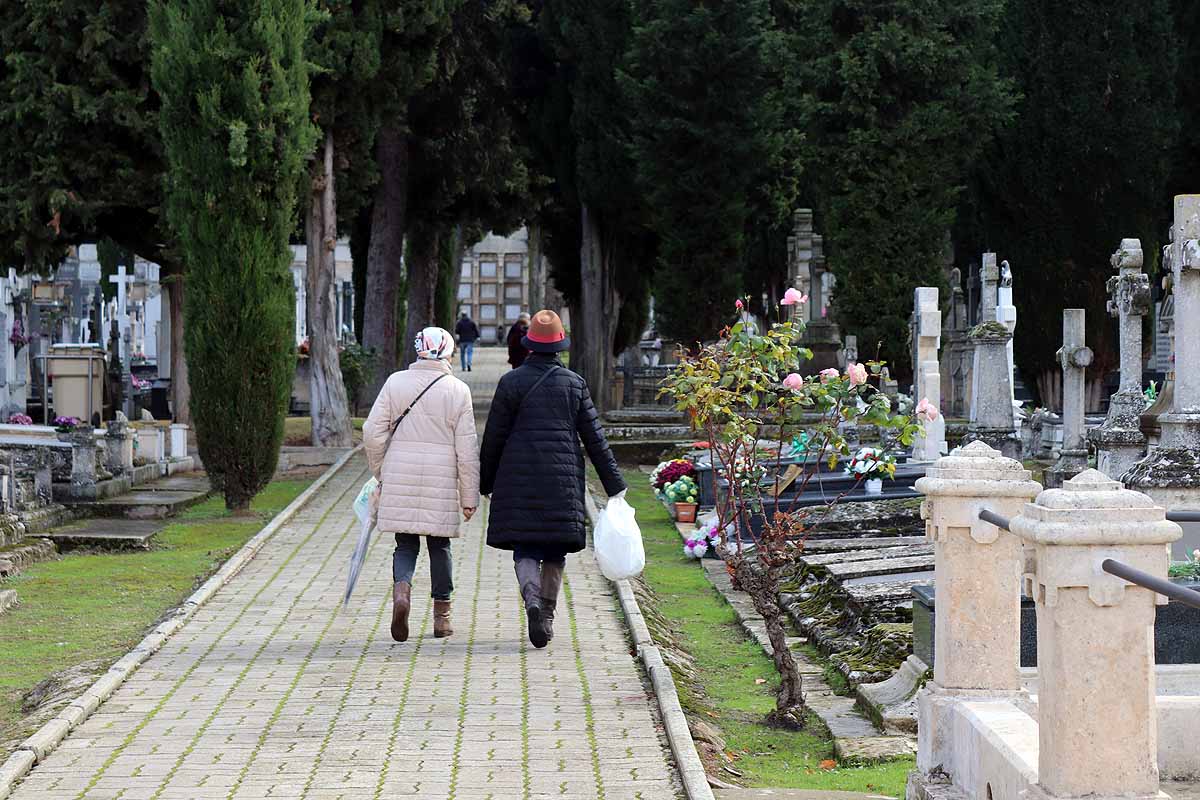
(703, 542)
(669, 472)
(20, 419)
(872, 464)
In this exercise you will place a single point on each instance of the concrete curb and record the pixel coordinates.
(679, 735)
(47, 738)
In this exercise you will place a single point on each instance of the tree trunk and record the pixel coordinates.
(180, 390)
(537, 269)
(385, 253)
(330, 409)
(598, 312)
(422, 286)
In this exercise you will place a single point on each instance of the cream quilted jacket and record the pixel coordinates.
(431, 470)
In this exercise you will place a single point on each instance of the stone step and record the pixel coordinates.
(113, 533)
(881, 566)
(823, 546)
(183, 482)
(872, 554)
(145, 503)
(16, 557)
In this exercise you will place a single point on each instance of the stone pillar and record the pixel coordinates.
(118, 446)
(179, 434)
(991, 418)
(977, 570)
(1097, 721)
(1171, 472)
(977, 566)
(1119, 441)
(1074, 356)
(927, 338)
(850, 350)
(82, 439)
(989, 288)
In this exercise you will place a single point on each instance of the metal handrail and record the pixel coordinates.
(987, 515)
(1126, 572)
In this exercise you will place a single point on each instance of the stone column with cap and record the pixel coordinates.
(1171, 472)
(1119, 441)
(1097, 721)
(977, 571)
(1074, 356)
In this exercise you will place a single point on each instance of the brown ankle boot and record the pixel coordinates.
(441, 619)
(401, 603)
(552, 575)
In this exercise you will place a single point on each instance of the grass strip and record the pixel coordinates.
(588, 714)
(466, 688)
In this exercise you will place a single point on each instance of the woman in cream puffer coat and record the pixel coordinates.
(429, 472)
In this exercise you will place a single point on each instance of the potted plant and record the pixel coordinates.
(704, 542)
(872, 465)
(668, 472)
(682, 495)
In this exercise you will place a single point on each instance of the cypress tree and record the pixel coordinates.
(704, 128)
(233, 82)
(899, 100)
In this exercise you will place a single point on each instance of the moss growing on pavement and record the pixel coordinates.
(93, 606)
(738, 678)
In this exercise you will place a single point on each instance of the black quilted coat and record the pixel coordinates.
(532, 462)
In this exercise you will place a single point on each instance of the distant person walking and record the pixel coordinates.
(468, 333)
(532, 466)
(516, 348)
(421, 445)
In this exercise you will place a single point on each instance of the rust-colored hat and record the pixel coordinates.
(546, 334)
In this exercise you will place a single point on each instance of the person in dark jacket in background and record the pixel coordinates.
(516, 347)
(468, 333)
(532, 466)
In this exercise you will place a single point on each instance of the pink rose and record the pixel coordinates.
(857, 374)
(828, 374)
(794, 382)
(926, 410)
(738, 305)
(793, 296)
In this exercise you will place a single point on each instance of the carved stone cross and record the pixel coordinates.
(1074, 356)
(1129, 293)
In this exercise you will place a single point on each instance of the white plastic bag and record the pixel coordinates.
(366, 505)
(618, 540)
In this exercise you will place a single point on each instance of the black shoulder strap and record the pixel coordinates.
(413, 403)
(555, 368)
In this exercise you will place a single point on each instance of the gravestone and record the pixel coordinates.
(956, 352)
(1170, 474)
(850, 351)
(1006, 313)
(821, 335)
(1074, 356)
(1119, 441)
(927, 378)
(991, 419)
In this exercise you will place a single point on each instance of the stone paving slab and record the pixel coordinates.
(273, 690)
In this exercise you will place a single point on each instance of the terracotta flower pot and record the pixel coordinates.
(685, 512)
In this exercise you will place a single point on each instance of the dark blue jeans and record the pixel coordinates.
(466, 351)
(441, 568)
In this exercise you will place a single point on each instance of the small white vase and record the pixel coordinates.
(874, 485)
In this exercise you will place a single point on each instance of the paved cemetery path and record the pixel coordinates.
(272, 691)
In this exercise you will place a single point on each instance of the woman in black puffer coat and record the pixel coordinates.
(532, 466)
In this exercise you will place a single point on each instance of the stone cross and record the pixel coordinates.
(123, 281)
(927, 374)
(1119, 441)
(1074, 356)
(851, 349)
(1170, 474)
